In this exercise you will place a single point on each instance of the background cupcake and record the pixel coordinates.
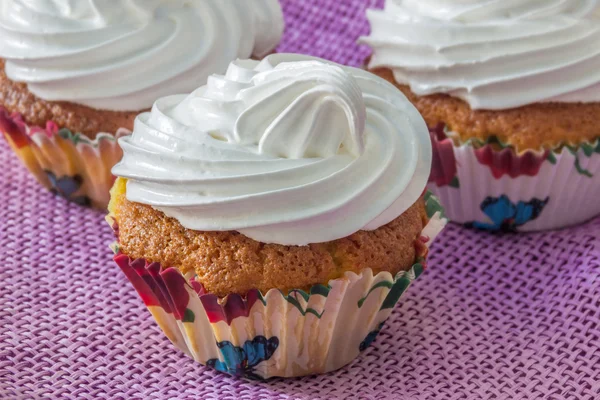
(287, 196)
(75, 74)
(511, 94)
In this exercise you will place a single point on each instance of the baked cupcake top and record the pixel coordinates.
(124, 54)
(291, 150)
(494, 54)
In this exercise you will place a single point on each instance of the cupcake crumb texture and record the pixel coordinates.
(15, 97)
(532, 127)
(229, 262)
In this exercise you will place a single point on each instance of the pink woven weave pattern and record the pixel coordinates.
(495, 317)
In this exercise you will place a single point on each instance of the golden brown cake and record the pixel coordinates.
(531, 127)
(229, 262)
(16, 98)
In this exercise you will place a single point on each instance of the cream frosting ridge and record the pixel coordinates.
(494, 54)
(291, 150)
(124, 54)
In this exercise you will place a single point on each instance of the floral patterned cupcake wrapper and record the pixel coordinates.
(69, 164)
(259, 336)
(491, 187)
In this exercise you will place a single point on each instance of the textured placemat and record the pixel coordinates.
(495, 317)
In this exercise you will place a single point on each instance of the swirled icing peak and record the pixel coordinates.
(283, 110)
(290, 150)
(124, 54)
(494, 54)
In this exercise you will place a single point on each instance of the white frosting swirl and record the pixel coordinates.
(494, 54)
(124, 54)
(292, 150)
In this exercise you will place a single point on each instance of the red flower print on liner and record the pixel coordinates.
(139, 274)
(176, 286)
(14, 126)
(443, 167)
(50, 130)
(506, 161)
(234, 306)
(167, 288)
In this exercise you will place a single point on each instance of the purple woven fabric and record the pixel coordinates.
(495, 317)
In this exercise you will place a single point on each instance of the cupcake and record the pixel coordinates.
(511, 94)
(74, 75)
(271, 219)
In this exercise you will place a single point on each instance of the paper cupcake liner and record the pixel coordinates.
(71, 165)
(259, 336)
(491, 187)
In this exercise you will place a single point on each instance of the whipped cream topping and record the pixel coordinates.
(494, 54)
(124, 54)
(291, 150)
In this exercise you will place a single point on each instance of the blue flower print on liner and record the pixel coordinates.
(240, 361)
(370, 337)
(507, 216)
(66, 186)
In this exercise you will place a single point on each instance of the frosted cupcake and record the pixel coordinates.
(73, 75)
(274, 217)
(511, 93)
